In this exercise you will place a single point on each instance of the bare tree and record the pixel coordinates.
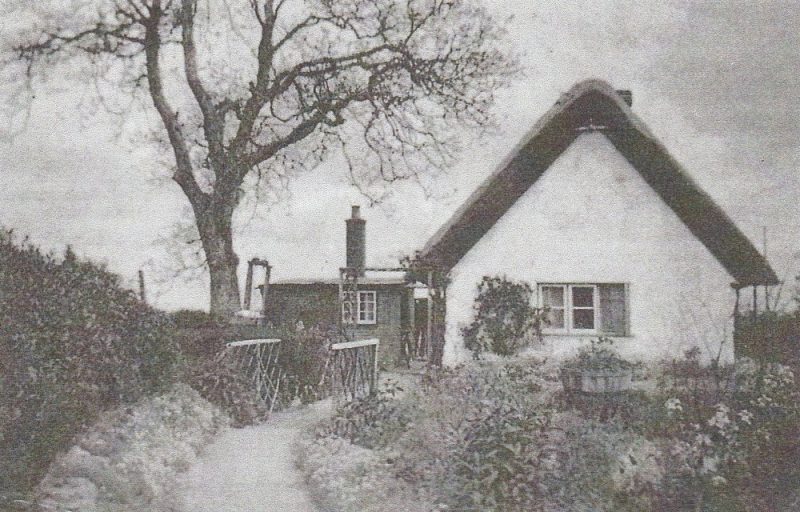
(382, 81)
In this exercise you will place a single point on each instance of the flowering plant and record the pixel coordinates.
(717, 452)
(598, 356)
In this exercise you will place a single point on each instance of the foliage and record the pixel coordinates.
(130, 458)
(500, 461)
(773, 336)
(475, 438)
(225, 386)
(733, 448)
(597, 356)
(504, 318)
(498, 436)
(303, 360)
(373, 421)
(73, 343)
(194, 319)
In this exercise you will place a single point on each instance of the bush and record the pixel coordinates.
(304, 360)
(472, 438)
(374, 421)
(773, 336)
(225, 386)
(195, 319)
(73, 343)
(504, 318)
(498, 436)
(727, 436)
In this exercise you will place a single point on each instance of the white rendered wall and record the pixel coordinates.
(591, 218)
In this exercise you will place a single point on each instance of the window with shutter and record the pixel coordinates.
(585, 308)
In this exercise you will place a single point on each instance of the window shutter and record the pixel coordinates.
(613, 312)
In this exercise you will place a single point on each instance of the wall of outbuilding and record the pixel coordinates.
(318, 303)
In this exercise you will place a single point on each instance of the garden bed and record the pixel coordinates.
(504, 436)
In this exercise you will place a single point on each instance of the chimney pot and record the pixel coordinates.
(626, 95)
(356, 212)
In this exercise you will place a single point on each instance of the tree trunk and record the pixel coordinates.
(217, 238)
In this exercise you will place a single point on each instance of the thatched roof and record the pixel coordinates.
(595, 103)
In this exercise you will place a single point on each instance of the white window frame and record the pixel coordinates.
(569, 308)
(565, 291)
(367, 316)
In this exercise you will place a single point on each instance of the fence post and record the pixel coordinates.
(142, 295)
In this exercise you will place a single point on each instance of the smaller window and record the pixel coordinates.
(359, 308)
(367, 307)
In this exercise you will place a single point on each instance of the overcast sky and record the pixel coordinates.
(717, 82)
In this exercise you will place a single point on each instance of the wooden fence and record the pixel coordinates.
(259, 360)
(354, 368)
(351, 370)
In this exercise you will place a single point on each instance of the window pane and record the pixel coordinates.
(582, 296)
(583, 318)
(553, 296)
(555, 319)
(366, 307)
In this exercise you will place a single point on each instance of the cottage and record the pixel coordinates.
(615, 237)
(363, 302)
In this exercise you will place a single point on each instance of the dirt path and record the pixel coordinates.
(252, 469)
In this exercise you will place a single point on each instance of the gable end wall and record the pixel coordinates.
(591, 218)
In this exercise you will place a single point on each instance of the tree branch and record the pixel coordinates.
(213, 125)
(183, 174)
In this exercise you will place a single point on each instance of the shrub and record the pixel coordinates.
(194, 319)
(304, 360)
(504, 317)
(374, 421)
(225, 386)
(496, 436)
(73, 343)
(727, 447)
(500, 460)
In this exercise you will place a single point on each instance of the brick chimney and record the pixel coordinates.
(356, 241)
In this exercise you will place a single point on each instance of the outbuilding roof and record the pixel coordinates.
(595, 105)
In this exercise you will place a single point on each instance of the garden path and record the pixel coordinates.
(252, 469)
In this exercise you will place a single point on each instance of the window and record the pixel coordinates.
(585, 308)
(365, 307)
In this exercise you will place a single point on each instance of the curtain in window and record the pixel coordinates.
(613, 309)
